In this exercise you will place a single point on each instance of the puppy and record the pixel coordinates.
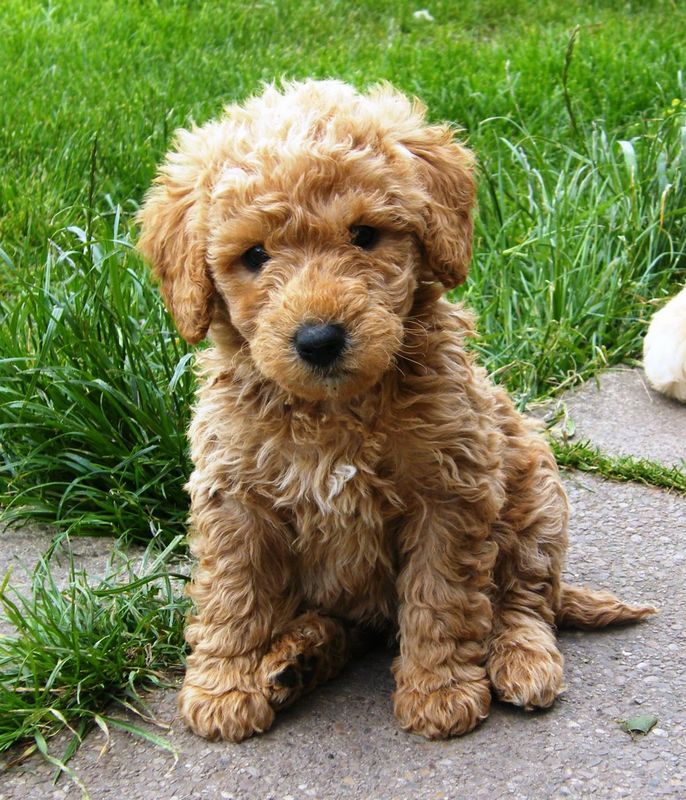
(664, 349)
(353, 466)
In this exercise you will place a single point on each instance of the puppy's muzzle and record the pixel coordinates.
(320, 345)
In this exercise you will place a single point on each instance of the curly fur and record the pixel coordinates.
(400, 488)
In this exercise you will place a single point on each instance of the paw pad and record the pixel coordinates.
(288, 677)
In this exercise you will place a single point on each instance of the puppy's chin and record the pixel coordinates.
(315, 385)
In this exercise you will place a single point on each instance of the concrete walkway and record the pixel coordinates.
(623, 416)
(342, 742)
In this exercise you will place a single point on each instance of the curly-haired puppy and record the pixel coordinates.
(353, 466)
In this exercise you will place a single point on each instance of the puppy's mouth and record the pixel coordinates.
(332, 376)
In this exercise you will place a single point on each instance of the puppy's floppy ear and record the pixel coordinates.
(446, 171)
(174, 233)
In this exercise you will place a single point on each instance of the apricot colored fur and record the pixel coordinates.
(400, 488)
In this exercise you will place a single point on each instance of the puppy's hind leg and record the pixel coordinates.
(524, 664)
(309, 651)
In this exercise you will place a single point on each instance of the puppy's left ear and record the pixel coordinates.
(446, 170)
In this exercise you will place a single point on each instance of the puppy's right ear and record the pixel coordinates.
(174, 231)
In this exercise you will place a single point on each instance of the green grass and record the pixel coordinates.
(95, 391)
(130, 73)
(574, 241)
(576, 112)
(83, 650)
(585, 457)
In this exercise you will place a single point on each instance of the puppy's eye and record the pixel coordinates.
(364, 236)
(254, 258)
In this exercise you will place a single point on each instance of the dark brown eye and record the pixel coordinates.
(364, 236)
(254, 258)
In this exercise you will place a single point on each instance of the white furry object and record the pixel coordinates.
(664, 349)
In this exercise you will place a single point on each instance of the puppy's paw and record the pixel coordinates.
(446, 711)
(309, 653)
(234, 715)
(288, 677)
(526, 676)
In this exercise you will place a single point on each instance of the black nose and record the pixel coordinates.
(320, 345)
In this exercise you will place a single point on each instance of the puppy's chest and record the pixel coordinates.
(332, 472)
(333, 484)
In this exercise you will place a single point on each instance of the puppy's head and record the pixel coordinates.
(301, 224)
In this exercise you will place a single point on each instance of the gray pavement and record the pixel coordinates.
(623, 416)
(21, 549)
(342, 742)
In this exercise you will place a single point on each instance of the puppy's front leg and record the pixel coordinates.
(445, 618)
(242, 593)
